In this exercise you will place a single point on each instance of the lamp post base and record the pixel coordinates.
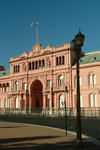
(79, 144)
(79, 141)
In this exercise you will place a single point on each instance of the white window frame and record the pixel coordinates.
(7, 103)
(94, 79)
(61, 80)
(4, 89)
(95, 100)
(25, 86)
(81, 101)
(61, 101)
(16, 102)
(90, 80)
(91, 100)
(80, 81)
(49, 83)
(16, 86)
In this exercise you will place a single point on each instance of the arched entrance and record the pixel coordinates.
(36, 94)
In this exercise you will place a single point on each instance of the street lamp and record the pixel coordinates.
(76, 45)
(65, 104)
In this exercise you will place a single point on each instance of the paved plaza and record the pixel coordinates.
(20, 136)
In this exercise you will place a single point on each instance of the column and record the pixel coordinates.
(44, 99)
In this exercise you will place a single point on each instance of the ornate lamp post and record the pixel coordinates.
(76, 45)
(65, 104)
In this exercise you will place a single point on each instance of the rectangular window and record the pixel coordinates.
(61, 80)
(91, 100)
(16, 86)
(95, 101)
(49, 83)
(80, 81)
(25, 86)
(81, 103)
(7, 103)
(16, 102)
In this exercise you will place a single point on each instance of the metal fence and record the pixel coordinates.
(70, 112)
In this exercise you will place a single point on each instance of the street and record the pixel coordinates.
(21, 136)
(90, 127)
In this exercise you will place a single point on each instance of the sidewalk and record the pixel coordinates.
(18, 136)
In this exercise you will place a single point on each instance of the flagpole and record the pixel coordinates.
(37, 32)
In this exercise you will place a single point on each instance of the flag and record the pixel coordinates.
(34, 23)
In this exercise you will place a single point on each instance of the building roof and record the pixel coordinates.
(90, 58)
(4, 73)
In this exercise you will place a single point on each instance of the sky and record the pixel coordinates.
(58, 22)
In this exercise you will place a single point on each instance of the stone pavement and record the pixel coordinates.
(19, 136)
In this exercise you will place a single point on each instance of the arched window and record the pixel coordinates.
(18, 68)
(60, 60)
(63, 60)
(14, 69)
(39, 63)
(33, 65)
(4, 89)
(61, 80)
(56, 61)
(16, 86)
(94, 79)
(61, 101)
(90, 80)
(16, 102)
(43, 63)
(29, 65)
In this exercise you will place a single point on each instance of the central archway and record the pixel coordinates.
(36, 94)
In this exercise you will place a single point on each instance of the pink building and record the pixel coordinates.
(45, 78)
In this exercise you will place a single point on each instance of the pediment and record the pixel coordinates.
(36, 49)
(33, 53)
(46, 52)
(25, 54)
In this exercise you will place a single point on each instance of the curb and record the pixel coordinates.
(88, 138)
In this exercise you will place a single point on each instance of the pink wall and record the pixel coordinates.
(50, 72)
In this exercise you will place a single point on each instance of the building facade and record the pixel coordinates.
(45, 79)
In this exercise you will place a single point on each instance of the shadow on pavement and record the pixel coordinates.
(41, 143)
(12, 127)
(10, 140)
